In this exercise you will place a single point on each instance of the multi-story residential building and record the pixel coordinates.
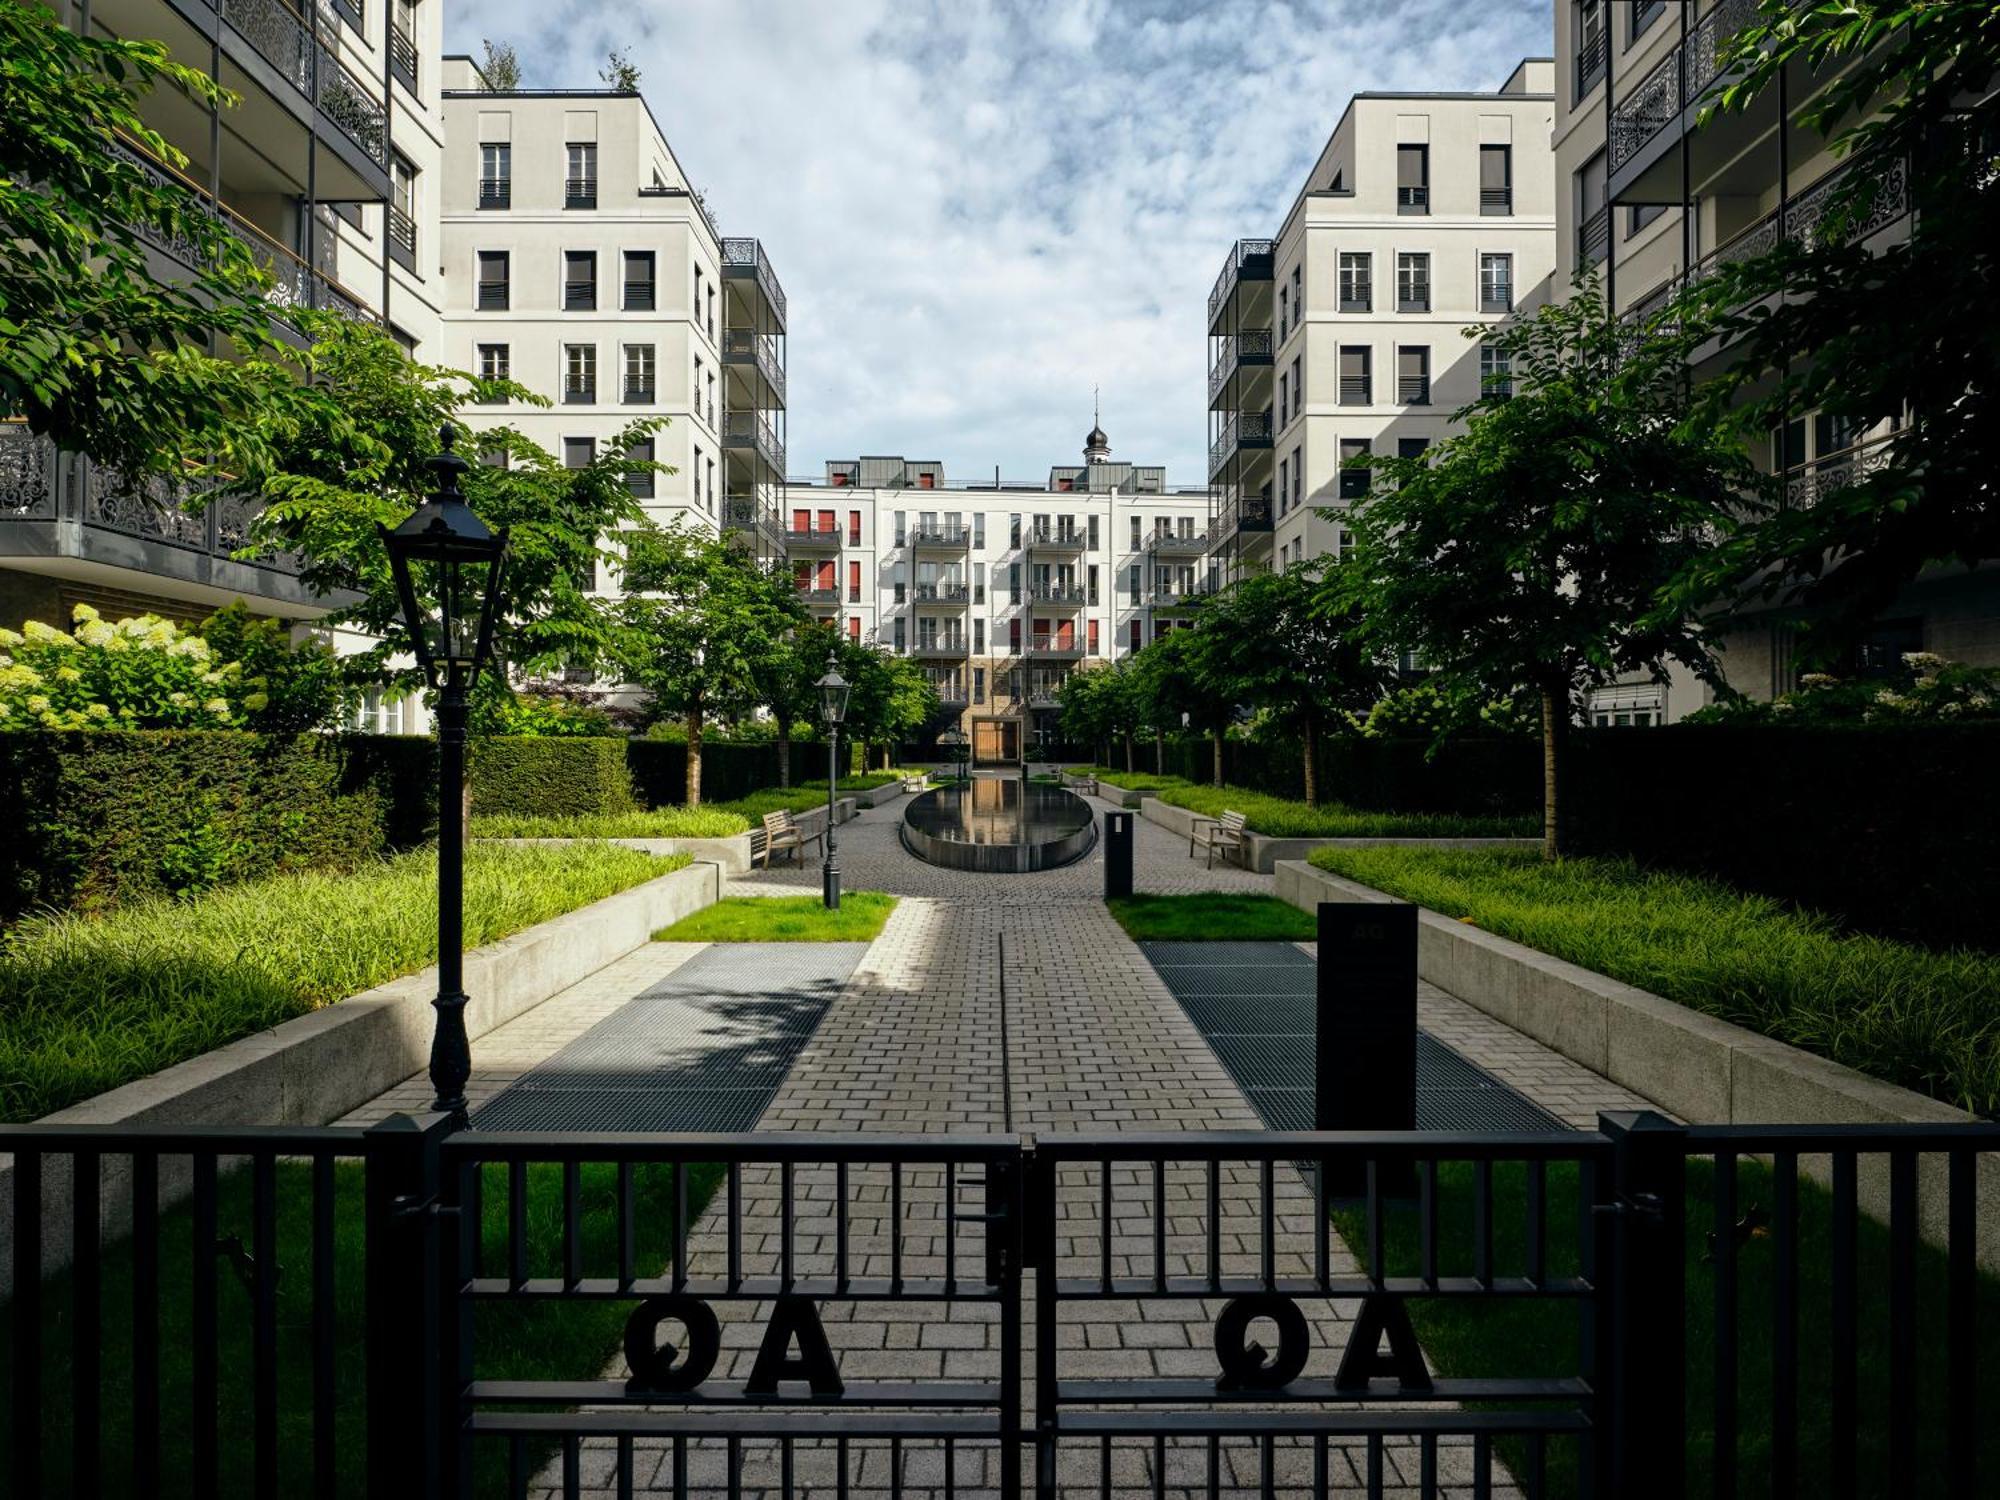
(326, 166)
(1650, 196)
(582, 264)
(1345, 335)
(999, 588)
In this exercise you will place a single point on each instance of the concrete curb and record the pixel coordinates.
(1264, 851)
(1705, 1070)
(732, 853)
(319, 1066)
(1124, 796)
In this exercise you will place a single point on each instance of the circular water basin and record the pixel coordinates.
(999, 826)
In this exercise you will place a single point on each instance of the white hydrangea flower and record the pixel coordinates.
(45, 635)
(96, 633)
(218, 707)
(10, 638)
(1924, 663)
(98, 711)
(83, 613)
(38, 703)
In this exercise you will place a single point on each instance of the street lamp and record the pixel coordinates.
(833, 708)
(448, 567)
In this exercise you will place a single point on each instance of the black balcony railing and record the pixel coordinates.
(1413, 296)
(1061, 595)
(1250, 346)
(638, 296)
(403, 58)
(943, 593)
(578, 392)
(939, 536)
(1170, 544)
(496, 192)
(1245, 429)
(579, 192)
(813, 536)
(750, 429)
(1414, 390)
(1680, 79)
(579, 296)
(1496, 297)
(740, 346)
(639, 392)
(1593, 237)
(1055, 539)
(403, 237)
(745, 257)
(1248, 260)
(1414, 199)
(1590, 60)
(1496, 202)
(1357, 295)
(493, 296)
(345, 100)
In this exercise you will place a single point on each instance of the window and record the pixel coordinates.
(979, 528)
(579, 374)
(1298, 295)
(494, 279)
(1298, 385)
(1412, 447)
(698, 491)
(1284, 399)
(1413, 179)
(1356, 286)
(902, 527)
(854, 529)
(1090, 575)
(902, 636)
(639, 372)
(1593, 218)
(1014, 529)
(580, 183)
(1496, 180)
(402, 42)
(1298, 481)
(979, 684)
(1413, 282)
(899, 583)
(1091, 636)
(579, 281)
(1496, 283)
(1093, 535)
(1639, 215)
(1356, 386)
(1135, 533)
(640, 481)
(853, 581)
(579, 452)
(496, 175)
(1013, 583)
(638, 281)
(1354, 481)
(494, 363)
(979, 636)
(1284, 312)
(1132, 642)
(1590, 50)
(1496, 371)
(854, 628)
(1413, 375)
(1284, 484)
(979, 583)
(1644, 14)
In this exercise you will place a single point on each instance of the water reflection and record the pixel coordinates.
(997, 824)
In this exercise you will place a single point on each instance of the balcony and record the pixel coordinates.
(1054, 540)
(1056, 645)
(496, 192)
(1245, 429)
(580, 192)
(1252, 347)
(752, 432)
(1056, 596)
(1248, 514)
(939, 538)
(758, 523)
(744, 259)
(756, 353)
(949, 687)
(1809, 483)
(1248, 260)
(313, 70)
(1045, 689)
(939, 648)
(812, 539)
(944, 595)
(820, 598)
(1168, 544)
(1679, 81)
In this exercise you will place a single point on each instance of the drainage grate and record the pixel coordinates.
(704, 1049)
(1254, 1003)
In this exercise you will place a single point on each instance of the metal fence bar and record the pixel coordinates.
(1846, 1352)
(1722, 1236)
(1784, 1323)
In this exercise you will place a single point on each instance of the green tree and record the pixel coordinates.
(358, 459)
(1904, 340)
(698, 618)
(1290, 644)
(1534, 548)
(502, 68)
(890, 700)
(94, 352)
(1173, 692)
(620, 73)
(787, 675)
(1100, 707)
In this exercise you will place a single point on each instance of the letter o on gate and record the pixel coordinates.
(653, 1365)
(1246, 1366)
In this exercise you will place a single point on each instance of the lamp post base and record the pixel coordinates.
(829, 876)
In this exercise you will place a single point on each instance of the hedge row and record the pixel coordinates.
(556, 777)
(98, 818)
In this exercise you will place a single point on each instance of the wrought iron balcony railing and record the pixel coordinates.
(953, 594)
(1250, 346)
(277, 33)
(1245, 429)
(746, 514)
(750, 429)
(939, 536)
(745, 257)
(1680, 78)
(740, 346)
(1809, 483)
(496, 192)
(579, 192)
(1248, 260)
(1058, 595)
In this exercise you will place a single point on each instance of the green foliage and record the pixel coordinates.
(620, 73)
(1930, 690)
(93, 351)
(549, 777)
(710, 822)
(784, 919)
(1920, 1019)
(1418, 710)
(502, 67)
(1212, 918)
(100, 819)
(89, 1003)
(1100, 705)
(1282, 818)
(1137, 781)
(547, 712)
(889, 699)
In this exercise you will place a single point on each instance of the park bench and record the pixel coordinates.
(916, 782)
(1218, 836)
(781, 832)
(1081, 781)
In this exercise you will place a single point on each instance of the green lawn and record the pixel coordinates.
(547, 1340)
(1137, 781)
(88, 1003)
(658, 823)
(1926, 1020)
(1227, 918)
(784, 919)
(1287, 819)
(1517, 1337)
(804, 797)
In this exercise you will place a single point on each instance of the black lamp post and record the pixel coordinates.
(448, 566)
(833, 708)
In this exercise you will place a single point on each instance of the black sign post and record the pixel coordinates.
(1117, 855)
(1365, 1074)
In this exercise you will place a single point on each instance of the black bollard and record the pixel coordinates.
(1117, 855)
(1365, 1074)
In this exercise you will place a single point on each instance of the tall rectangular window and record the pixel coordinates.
(494, 280)
(1496, 180)
(580, 180)
(1590, 47)
(1284, 486)
(902, 527)
(853, 581)
(978, 582)
(1356, 386)
(1093, 538)
(1354, 481)
(1284, 399)
(495, 362)
(1413, 179)
(579, 452)
(1298, 383)
(638, 281)
(579, 281)
(978, 529)
(854, 528)
(579, 374)
(1298, 295)
(1593, 215)
(1413, 282)
(496, 175)
(639, 372)
(1356, 282)
(1298, 479)
(1135, 533)
(902, 635)
(1496, 371)
(1132, 641)
(978, 635)
(1013, 583)
(1496, 283)
(640, 480)
(1413, 375)
(1014, 529)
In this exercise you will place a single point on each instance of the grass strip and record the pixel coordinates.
(1911, 1016)
(1282, 818)
(1537, 1336)
(566, 1339)
(784, 919)
(1137, 781)
(89, 1003)
(1212, 918)
(658, 823)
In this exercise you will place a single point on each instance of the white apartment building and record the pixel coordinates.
(1651, 196)
(999, 588)
(326, 168)
(1344, 335)
(582, 264)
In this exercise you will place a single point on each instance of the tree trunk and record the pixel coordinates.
(784, 751)
(1218, 756)
(1311, 751)
(1552, 737)
(1159, 752)
(1128, 750)
(694, 756)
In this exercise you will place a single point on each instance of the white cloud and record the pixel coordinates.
(981, 208)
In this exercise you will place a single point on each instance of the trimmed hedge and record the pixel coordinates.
(566, 777)
(96, 818)
(729, 769)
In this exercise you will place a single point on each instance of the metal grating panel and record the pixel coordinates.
(704, 1049)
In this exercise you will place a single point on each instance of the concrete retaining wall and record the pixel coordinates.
(731, 853)
(319, 1066)
(1124, 796)
(1263, 851)
(1705, 1070)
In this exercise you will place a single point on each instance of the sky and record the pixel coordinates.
(982, 209)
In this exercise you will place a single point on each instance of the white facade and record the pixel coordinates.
(1424, 215)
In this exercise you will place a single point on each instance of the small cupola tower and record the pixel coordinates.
(1096, 447)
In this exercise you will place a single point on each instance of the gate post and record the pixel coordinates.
(400, 1159)
(1641, 1365)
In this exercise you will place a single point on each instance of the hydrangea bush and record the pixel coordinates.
(1931, 690)
(235, 672)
